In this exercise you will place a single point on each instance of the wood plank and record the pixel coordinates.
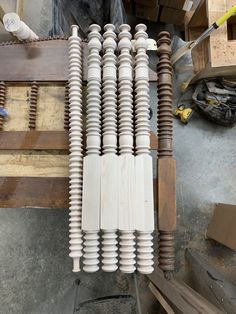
(20, 8)
(160, 299)
(44, 140)
(37, 140)
(51, 192)
(222, 227)
(20, 192)
(44, 61)
(166, 194)
(184, 298)
(31, 165)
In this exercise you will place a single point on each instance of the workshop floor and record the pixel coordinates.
(36, 275)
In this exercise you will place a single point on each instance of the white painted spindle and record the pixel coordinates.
(109, 178)
(92, 162)
(13, 24)
(144, 216)
(76, 154)
(126, 158)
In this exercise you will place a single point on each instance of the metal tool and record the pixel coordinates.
(191, 44)
(183, 113)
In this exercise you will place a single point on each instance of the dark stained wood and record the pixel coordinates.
(40, 61)
(58, 140)
(20, 192)
(35, 61)
(166, 194)
(184, 298)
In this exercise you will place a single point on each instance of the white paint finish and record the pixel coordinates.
(75, 147)
(13, 24)
(125, 90)
(93, 108)
(109, 192)
(143, 162)
(144, 206)
(91, 193)
(109, 108)
(92, 162)
(91, 251)
(126, 192)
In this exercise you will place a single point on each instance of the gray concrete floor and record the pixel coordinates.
(35, 275)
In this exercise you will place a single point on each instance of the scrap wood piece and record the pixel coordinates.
(160, 298)
(184, 298)
(222, 227)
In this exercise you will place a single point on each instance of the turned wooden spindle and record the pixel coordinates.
(109, 167)
(165, 164)
(75, 147)
(144, 215)
(92, 160)
(33, 106)
(2, 103)
(66, 109)
(126, 157)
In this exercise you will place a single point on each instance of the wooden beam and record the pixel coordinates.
(20, 192)
(44, 140)
(47, 192)
(184, 298)
(37, 140)
(41, 61)
(160, 299)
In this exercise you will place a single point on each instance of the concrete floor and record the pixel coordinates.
(35, 270)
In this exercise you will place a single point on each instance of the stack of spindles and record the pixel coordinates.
(117, 199)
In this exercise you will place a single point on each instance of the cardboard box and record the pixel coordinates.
(147, 13)
(222, 227)
(147, 3)
(177, 4)
(172, 16)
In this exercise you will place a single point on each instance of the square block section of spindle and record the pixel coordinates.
(91, 192)
(144, 204)
(109, 192)
(166, 196)
(126, 192)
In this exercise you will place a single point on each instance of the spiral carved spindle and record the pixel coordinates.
(109, 111)
(166, 165)
(76, 153)
(93, 136)
(142, 130)
(33, 106)
(66, 109)
(2, 102)
(125, 109)
(165, 115)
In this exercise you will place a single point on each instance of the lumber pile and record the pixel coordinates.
(216, 55)
(170, 11)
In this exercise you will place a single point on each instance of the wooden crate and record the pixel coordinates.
(216, 56)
